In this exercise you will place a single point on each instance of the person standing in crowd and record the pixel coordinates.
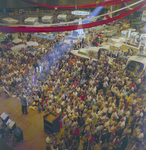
(23, 103)
(105, 86)
(99, 53)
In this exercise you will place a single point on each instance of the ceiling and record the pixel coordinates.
(21, 4)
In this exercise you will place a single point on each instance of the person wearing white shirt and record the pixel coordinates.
(62, 95)
(17, 79)
(122, 123)
(75, 93)
(116, 91)
(110, 109)
(93, 113)
(4, 81)
(100, 112)
(11, 74)
(51, 95)
(30, 67)
(120, 112)
(140, 136)
(99, 96)
(113, 88)
(105, 108)
(89, 97)
(105, 86)
(94, 89)
(107, 122)
(71, 110)
(103, 117)
(138, 83)
(78, 62)
(114, 115)
(11, 79)
(127, 112)
(141, 114)
(106, 78)
(58, 110)
(78, 88)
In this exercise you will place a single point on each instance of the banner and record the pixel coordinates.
(81, 6)
(143, 16)
(67, 28)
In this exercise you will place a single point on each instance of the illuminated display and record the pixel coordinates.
(81, 13)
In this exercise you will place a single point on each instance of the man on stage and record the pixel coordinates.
(23, 103)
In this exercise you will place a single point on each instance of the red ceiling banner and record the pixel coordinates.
(67, 28)
(81, 6)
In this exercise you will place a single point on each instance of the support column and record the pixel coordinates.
(111, 11)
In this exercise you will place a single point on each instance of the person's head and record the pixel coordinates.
(22, 93)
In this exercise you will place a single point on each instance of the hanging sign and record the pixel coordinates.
(144, 16)
(81, 13)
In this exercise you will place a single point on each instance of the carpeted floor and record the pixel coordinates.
(4, 146)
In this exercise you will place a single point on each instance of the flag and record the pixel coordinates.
(60, 124)
(33, 79)
(38, 72)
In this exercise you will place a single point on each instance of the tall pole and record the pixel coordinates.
(111, 10)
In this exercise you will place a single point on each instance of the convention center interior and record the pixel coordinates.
(72, 75)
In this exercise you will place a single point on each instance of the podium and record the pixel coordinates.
(51, 123)
(4, 116)
(11, 124)
(18, 133)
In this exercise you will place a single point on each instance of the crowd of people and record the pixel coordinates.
(98, 103)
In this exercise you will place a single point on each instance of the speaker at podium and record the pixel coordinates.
(51, 122)
(18, 133)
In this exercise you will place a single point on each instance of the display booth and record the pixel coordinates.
(31, 20)
(71, 40)
(47, 19)
(23, 46)
(9, 20)
(17, 41)
(32, 43)
(134, 34)
(130, 30)
(62, 18)
(143, 36)
(18, 47)
(124, 33)
(143, 16)
(116, 47)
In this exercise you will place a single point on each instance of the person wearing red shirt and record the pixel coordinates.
(82, 96)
